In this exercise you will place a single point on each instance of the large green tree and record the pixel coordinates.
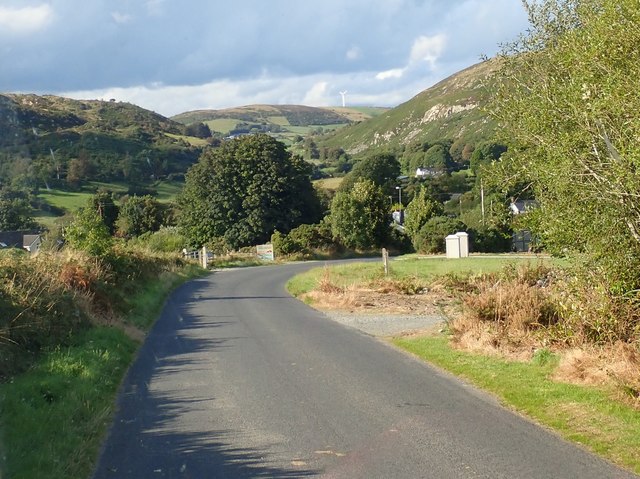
(569, 103)
(245, 190)
(360, 217)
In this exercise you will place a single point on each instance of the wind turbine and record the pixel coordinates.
(343, 94)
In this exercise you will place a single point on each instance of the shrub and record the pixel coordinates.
(165, 240)
(431, 237)
(305, 239)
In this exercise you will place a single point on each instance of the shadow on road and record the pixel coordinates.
(156, 432)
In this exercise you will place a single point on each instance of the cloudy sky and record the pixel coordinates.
(172, 56)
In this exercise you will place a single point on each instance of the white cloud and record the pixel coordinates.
(427, 49)
(353, 53)
(317, 95)
(25, 20)
(394, 73)
(121, 18)
(198, 67)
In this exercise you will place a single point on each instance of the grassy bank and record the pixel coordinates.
(54, 415)
(586, 415)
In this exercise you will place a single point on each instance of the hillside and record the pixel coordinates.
(450, 110)
(54, 139)
(285, 122)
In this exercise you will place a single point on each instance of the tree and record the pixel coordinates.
(382, 169)
(566, 100)
(88, 233)
(79, 169)
(420, 210)
(15, 214)
(484, 154)
(139, 215)
(198, 129)
(103, 204)
(245, 190)
(360, 217)
(437, 157)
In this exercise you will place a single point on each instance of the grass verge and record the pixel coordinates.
(586, 415)
(407, 267)
(54, 416)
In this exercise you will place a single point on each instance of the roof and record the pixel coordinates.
(29, 240)
(11, 239)
(18, 239)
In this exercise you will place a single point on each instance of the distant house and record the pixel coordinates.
(32, 243)
(522, 240)
(27, 240)
(522, 206)
(423, 172)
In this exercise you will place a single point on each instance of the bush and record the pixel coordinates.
(305, 239)
(165, 240)
(431, 237)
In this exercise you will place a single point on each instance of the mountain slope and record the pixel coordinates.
(450, 110)
(118, 141)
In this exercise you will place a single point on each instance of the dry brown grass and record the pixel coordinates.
(512, 314)
(617, 364)
(518, 312)
(502, 313)
(380, 296)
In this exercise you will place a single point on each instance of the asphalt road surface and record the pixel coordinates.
(239, 380)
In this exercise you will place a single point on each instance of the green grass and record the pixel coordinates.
(168, 190)
(278, 120)
(410, 266)
(145, 307)
(192, 140)
(222, 125)
(329, 183)
(67, 200)
(585, 415)
(53, 418)
(70, 201)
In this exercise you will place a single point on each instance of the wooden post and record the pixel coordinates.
(385, 260)
(204, 258)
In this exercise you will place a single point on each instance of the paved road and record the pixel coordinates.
(239, 380)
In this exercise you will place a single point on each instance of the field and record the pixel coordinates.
(328, 183)
(70, 201)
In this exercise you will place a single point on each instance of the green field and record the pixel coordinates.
(222, 126)
(70, 201)
(328, 183)
(192, 140)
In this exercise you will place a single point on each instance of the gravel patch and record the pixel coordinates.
(386, 324)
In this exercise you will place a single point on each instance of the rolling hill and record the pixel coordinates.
(285, 122)
(46, 137)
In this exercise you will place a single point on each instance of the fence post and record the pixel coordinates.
(204, 258)
(385, 260)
